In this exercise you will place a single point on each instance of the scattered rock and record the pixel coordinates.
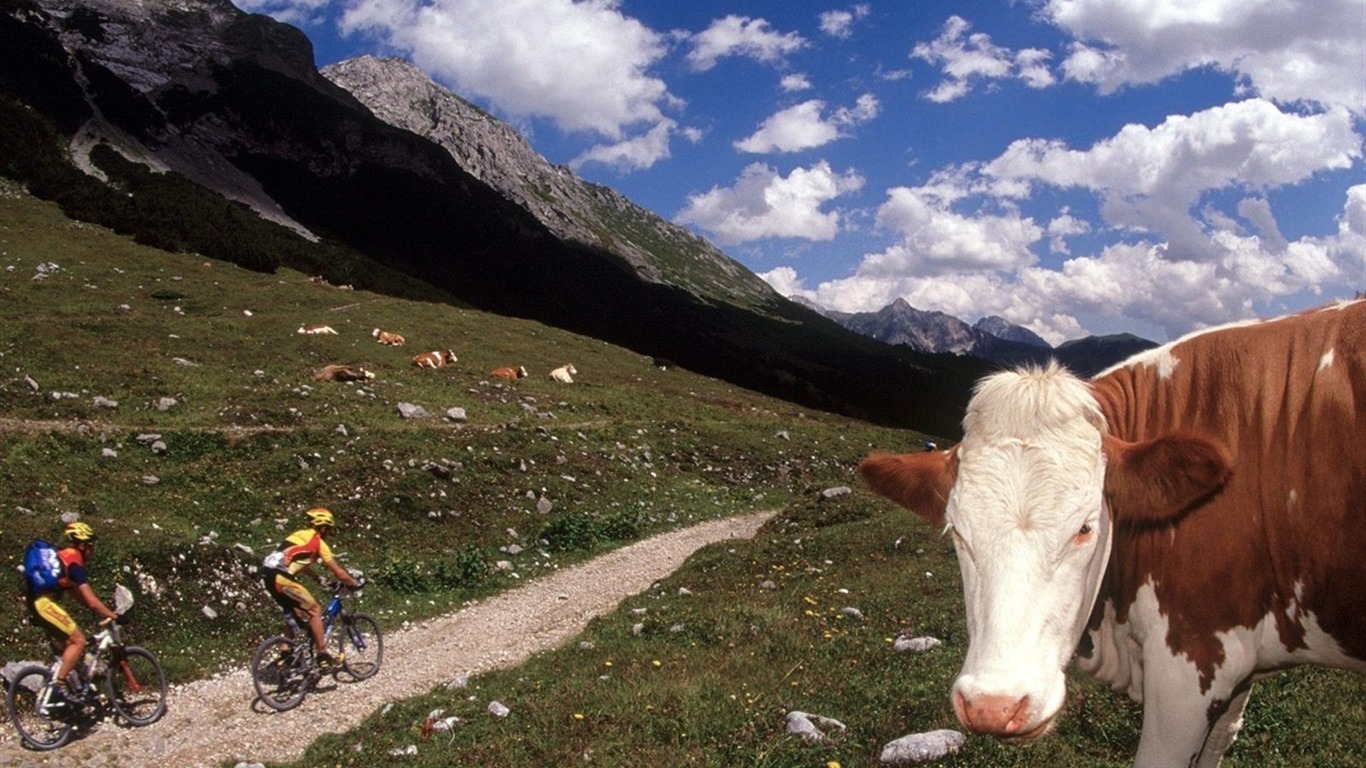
(543, 505)
(150, 479)
(852, 612)
(460, 681)
(410, 411)
(210, 613)
(109, 453)
(768, 584)
(103, 402)
(33, 385)
(166, 403)
(407, 751)
(916, 644)
(809, 726)
(184, 362)
(159, 447)
(456, 414)
(497, 709)
(783, 435)
(839, 490)
(921, 747)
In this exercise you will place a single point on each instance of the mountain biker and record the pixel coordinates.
(298, 551)
(67, 638)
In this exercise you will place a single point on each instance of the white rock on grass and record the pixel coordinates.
(921, 747)
(809, 726)
(916, 644)
(498, 709)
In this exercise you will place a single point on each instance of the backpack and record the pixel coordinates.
(42, 567)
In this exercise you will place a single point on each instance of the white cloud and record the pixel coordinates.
(966, 58)
(635, 153)
(802, 126)
(763, 204)
(786, 282)
(795, 82)
(741, 36)
(1286, 50)
(938, 240)
(1149, 179)
(1063, 226)
(583, 65)
(839, 24)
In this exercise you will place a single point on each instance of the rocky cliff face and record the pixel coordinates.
(140, 64)
(402, 95)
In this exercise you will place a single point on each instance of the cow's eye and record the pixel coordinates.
(1084, 533)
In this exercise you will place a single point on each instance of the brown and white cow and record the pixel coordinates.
(388, 339)
(1195, 517)
(509, 373)
(564, 374)
(317, 329)
(434, 359)
(343, 373)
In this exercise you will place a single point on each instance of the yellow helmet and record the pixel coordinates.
(318, 517)
(79, 532)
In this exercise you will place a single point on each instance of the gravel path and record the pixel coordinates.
(210, 721)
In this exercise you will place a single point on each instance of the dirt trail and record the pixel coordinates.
(210, 721)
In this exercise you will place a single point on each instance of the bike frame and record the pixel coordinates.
(330, 614)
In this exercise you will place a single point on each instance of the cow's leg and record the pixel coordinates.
(1181, 725)
(1225, 729)
(1175, 713)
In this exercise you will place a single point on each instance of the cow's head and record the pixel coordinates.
(1030, 496)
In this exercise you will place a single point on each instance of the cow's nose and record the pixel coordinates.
(994, 715)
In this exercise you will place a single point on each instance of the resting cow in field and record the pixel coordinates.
(509, 373)
(434, 359)
(564, 374)
(317, 329)
(388, 339)
(343, 373)
(1195, 516)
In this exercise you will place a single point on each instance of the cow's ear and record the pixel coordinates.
(1156, 481)
(919, 482)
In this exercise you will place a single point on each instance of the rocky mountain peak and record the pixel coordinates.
(400, 94)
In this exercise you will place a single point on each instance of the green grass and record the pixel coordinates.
(627, 450)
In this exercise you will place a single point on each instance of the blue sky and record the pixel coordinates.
(1075, 166)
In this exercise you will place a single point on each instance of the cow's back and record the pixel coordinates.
(1282, 547)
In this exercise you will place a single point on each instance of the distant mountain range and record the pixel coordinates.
(991, 338)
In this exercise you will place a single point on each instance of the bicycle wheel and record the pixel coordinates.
(358, 638)
(280, 672)
(42, 724)
(136, 686)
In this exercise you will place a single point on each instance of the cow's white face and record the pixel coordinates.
(1028, 521)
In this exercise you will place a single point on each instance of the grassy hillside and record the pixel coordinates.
(253, 440)
(426, 506)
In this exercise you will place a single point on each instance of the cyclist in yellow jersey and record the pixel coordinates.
(45, 610)
(298, 551)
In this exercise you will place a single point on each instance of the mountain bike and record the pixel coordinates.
(285, 669)
(134, 688)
